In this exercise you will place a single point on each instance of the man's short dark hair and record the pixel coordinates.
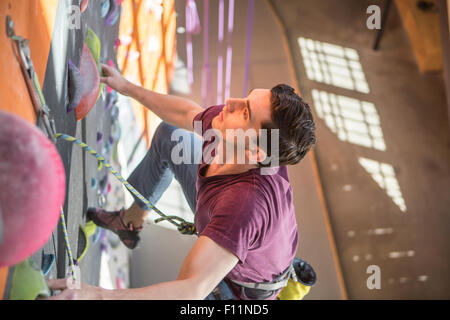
(293, 117)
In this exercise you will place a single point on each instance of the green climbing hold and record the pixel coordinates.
(28, 282)
(94, 45)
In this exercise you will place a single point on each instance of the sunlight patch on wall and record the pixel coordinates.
(384, 176)
(332, 64)
(350, 119)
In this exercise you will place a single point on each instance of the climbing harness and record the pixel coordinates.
(40, 107)
(183, 226)
(295, 281)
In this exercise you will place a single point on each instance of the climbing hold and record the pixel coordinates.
(83, 243)
(111, 99)
(103, 185)
(91, 84)
(115, 132)
(75, 86)
(117, 44)
(83, 5)
(97, 235)
(99, 137)
(111, 140)
(113, 13)
(94, 45)
(108, 146)
(94, 183)
(32, 188)
(115, 113)
(101, 199)
(105, 5)
(48, 260)
(90, 228)
(28, 282)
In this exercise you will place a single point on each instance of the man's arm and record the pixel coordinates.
(206, 264)
(174, 110)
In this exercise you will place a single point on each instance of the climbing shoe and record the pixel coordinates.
(113, 220)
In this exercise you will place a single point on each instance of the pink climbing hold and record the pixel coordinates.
(83, 5)
(32, 188)
(117, 44)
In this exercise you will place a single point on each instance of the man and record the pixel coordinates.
(245, 219)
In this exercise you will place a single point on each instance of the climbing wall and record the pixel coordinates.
(52, 47)
(62, 34)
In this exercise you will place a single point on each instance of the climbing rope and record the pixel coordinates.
(183, 226)
(72, 261)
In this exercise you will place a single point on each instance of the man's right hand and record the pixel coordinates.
(112, 78)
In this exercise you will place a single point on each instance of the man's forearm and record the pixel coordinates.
(171, 109)
(173, 290)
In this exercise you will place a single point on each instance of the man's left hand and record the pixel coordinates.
(86, 292)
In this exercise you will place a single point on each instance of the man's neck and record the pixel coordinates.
(230, 165)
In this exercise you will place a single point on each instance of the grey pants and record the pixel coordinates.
(155, 172)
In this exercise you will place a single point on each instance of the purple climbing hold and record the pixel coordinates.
(99, 137)
(111, 140)
(103, 185)
(113, 13)
(75, 86)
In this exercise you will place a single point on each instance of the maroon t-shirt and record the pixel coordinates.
(250, 214)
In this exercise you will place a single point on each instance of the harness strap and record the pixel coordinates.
(269, 286)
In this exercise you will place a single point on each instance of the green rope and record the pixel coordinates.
(183, 226)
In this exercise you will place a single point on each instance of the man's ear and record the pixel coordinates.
(255, 156)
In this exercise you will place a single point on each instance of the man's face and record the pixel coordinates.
(246, 113)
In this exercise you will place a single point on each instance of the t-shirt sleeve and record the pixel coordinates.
(206, 117)
(238, 222)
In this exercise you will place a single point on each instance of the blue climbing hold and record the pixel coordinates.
(111, 99)
(115, 113)
(94, 183)
(48, 260)
(105, 6)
